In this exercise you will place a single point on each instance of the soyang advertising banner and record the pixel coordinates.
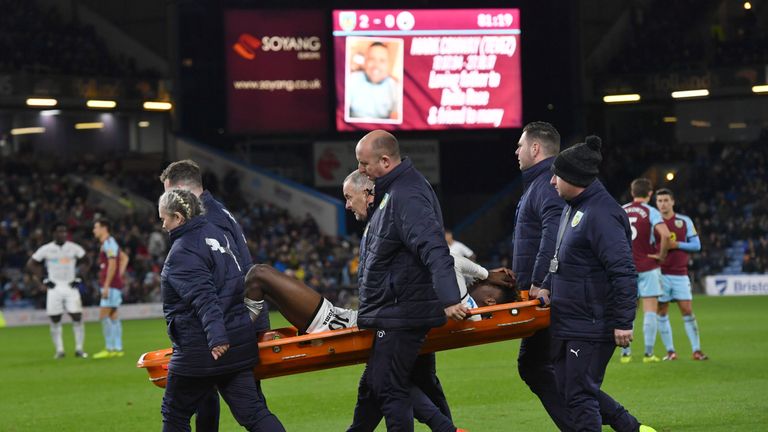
(277, 74)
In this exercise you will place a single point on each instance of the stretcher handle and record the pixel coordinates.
(308, 337)
(342, 332)
(505, 306)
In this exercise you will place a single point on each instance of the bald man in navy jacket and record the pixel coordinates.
(406, 277)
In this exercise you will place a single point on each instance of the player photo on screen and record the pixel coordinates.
(373, 84)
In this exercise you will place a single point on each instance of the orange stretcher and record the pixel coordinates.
(283, 353)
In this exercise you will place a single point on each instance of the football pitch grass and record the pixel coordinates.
(726, 393)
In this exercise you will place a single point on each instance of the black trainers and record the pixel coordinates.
(81, 354)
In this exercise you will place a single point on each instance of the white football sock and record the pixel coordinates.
(56, 336)
(79, 330)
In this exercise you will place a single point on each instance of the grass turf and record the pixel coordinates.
(726, 393)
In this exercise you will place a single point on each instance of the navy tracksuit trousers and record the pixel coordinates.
(183, 395)
(534, 364)
(424, 377)
(580, 368)
(207, 415)
(397, 383)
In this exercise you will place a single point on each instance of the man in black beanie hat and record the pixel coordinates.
(593, 281)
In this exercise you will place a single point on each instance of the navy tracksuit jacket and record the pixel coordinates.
(406, 280)
(202, 288)
(594, 291)
(536, 221)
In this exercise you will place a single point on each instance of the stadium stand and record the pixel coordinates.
(41, 41)
(691, 35)
(32, 202)
(731, 217)
(662, 38)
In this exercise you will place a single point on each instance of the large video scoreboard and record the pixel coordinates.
(415, 69)
(448, 68)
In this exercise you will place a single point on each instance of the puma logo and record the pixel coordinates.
(216, 247)
(576, 353)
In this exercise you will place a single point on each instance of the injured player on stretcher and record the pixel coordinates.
(311, 313)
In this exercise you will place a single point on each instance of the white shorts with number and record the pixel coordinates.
(62, 299)
(330, 317)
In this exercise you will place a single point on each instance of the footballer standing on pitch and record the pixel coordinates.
(676, 285)
(61, 258)
(111, 285)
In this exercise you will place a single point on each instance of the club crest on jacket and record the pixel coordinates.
(576, 219)
(384, 201)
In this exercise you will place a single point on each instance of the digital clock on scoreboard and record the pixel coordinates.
(500, 20)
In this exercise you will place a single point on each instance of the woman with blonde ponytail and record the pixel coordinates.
(214, 342)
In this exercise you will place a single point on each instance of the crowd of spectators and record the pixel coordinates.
(692, 35)
(43, 42)
(727, 205)
(31, 202)
(297, 248)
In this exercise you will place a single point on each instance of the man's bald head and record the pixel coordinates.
(382, 143)
(378, 153)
